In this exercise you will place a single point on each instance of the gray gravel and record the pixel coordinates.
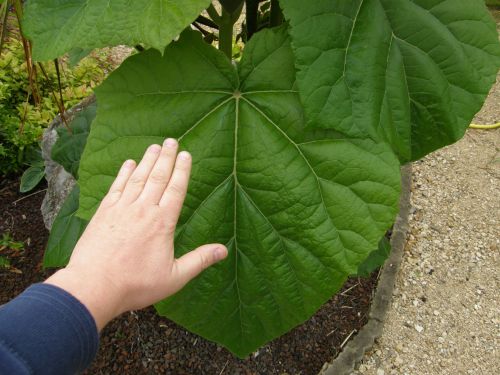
(445, 313)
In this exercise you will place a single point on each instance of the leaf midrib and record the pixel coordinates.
(237, 186)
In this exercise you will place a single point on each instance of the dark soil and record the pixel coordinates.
(21, 219)
(141, 342)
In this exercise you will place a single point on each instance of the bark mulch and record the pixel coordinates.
(142, 342)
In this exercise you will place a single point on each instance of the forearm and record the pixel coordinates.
(123, 261)
(45, 330)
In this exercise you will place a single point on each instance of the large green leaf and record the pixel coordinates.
(59, 26)
(69, 146)
(65, 232)
(298, 211)
(413, 72)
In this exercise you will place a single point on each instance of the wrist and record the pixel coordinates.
(99, 296)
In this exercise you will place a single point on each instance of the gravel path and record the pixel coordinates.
(445, 312)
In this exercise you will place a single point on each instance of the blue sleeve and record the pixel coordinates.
(45, 330)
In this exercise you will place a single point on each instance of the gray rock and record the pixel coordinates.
(59, 181)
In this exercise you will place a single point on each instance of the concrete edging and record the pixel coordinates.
(60, 183)
(356, 348)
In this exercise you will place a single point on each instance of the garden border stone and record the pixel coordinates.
(59, 182)
(356, 348)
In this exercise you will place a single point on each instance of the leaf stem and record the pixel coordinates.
(231, 5)
(252, 8)
(31, 68)
(276, 17)
(200, 29)
(226, 22)
(4, 15)
(60, 105)
(207, 22)
(58, 73)
(214, 15)
(226, 34)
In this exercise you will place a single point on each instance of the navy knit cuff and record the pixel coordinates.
(48, 330)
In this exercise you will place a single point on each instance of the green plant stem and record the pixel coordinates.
(207, 22)
(4, 15)
(212, 12)
(231, 5)
(18, 7)
(252, 8)
(59, 86)
(226, 22)
(60, 106)
(226, 34)
(276, 17)
(200, 29)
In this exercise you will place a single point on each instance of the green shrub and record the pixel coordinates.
(21, 121)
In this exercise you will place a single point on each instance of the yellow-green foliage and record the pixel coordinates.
(16, 101)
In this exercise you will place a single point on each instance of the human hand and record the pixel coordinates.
(125, 258)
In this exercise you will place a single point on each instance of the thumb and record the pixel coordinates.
(193, 263)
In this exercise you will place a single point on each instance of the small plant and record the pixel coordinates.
(35, 173)
(296, 147)
(7, 242)
(9, 246)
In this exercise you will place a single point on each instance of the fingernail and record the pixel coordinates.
(154, 148)
(170, 142)
(184, 155)
(220, 253)
(129, 163)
